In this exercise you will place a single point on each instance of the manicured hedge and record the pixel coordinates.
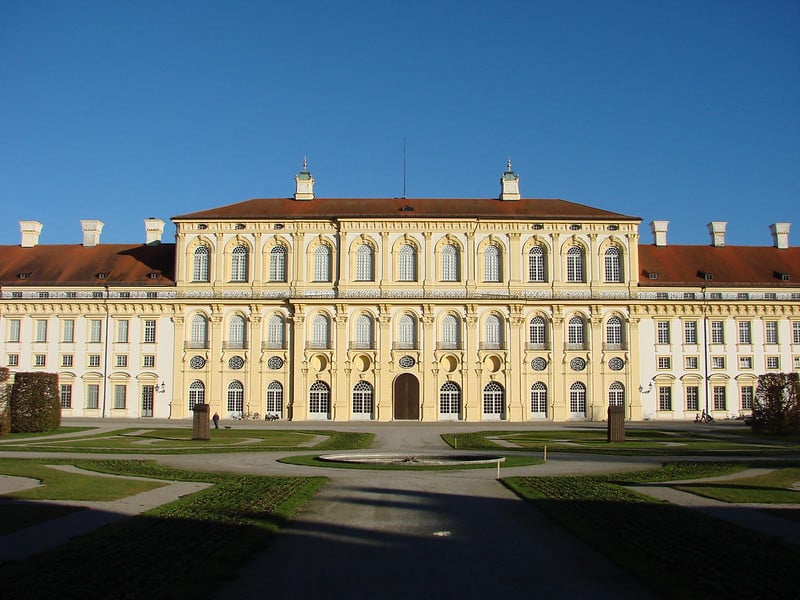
(35, 404)
(5, 413)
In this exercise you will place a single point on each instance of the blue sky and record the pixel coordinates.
(685, 111)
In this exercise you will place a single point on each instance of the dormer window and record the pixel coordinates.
(102, 275)
(783, 276)
(406, 208)
(154, 275)
(24, 275)
(651, 275)
(704, 275)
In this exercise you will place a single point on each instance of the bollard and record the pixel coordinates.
(545, 454)
(498, 469)
(455, 442)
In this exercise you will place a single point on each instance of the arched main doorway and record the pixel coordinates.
(405, 397)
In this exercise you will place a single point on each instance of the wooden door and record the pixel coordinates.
(406, 398)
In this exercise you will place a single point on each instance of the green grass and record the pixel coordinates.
(179, 441)
(641, 442)
(186, 549)
(60, 485)
(313, 460)
(769, 488)
(663, 545)
(19, 515)
(59, 431)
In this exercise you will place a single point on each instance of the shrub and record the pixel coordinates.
(776, 407)
(5, 413)
(35, 404)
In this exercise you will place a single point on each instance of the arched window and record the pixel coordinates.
(491, 264)
(200, 271)
(614, 333)
(364, 332)
(536, 270)
(616, 394)
(275, 399)
(493, 333)
(451, 339)
(322, 263)
(239, 260)
(197, 393)
(577, 399)
(575, 265)
(276, 332)
(613, 265)
(362, 398)
(319, 398)
(537, 333)
(493, 399)
(450, 263)
(199, 332)
(277, 263)
(539, 399)
(235, 398)
(365, 263)
(320, 332)
(407, 263)
(406, 332)
(575, 333)
(450, 400)
(236, 332)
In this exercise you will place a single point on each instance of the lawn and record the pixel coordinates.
(678, 552)
(186, 549)
(179, 441)
(770, 488)
(309, 460)
(641, 442)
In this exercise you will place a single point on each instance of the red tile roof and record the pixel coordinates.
(411, 208)
(728, 265)
(61, 264)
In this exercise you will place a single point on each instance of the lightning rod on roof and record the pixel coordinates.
(404, 168)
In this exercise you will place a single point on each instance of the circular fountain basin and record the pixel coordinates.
(411, 459)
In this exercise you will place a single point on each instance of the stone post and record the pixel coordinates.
(616, 424)
(201, 429)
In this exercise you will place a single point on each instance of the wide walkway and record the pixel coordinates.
(401, 534)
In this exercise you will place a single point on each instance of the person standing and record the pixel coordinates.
(215, 418)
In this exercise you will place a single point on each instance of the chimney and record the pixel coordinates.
(659, 229)
(154, 229)
(304, 184)
(780, 235)
(509, 184)
(30, 231)
(91, 231)
(717, 231)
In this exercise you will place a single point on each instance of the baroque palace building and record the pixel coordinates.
(386, 309)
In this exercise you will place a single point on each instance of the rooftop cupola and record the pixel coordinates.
(717, 231)
(509, 184)
(304, 184)
(30, 231)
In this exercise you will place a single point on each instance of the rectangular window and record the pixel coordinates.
(720, 401)
(773, 362)
(746, 395)
(72, 294)
(717, 332)
(41, 330)
(692, 398)
(122, 331)
(152, 294)
(796, 363)
(148, 361)
(690, 332)
(120, 396)
(664, 397)
(92, 395)
(662, 329)
(689, 295)
(796, 332)
(715, 295)
(94, 360)
(744, 332)
(65, 393)
(664, 362)
(16, 294)
(121, 360)
(691, 362)
(14, 327)
(770, 332)
(66, 360)
(717, 362)
(68, 331)
(12, 360)
(149, 331)
(745, 362)
(43, 295)
(743, 296)
(40, 360)
(95, 331)
(770, 296)
(124, 294)
(97, 294)
(662, 296)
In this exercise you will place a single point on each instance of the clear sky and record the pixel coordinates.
(686, 111)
